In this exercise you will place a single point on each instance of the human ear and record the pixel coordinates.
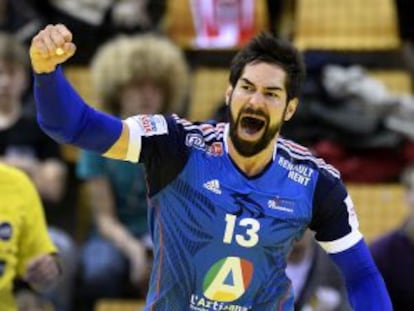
(291, 108)
(228, 93)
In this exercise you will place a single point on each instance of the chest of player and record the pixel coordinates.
(266, 210)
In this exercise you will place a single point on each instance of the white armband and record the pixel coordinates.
(143, 125)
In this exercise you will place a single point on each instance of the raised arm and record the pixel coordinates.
(61, 112)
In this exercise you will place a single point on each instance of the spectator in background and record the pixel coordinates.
(132, 74)
(316, 281)
(26, 249)
(95, 21)
(394, 252)
(19, 18)
(24, 145)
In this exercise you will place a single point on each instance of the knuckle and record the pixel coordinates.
(43, 33)
(37, 42)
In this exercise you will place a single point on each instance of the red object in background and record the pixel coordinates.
(222, 23)
(366, 165)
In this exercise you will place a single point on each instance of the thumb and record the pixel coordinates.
(66, 51)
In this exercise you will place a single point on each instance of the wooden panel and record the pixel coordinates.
(380, 207)
(179, 22)
(346, 25)
(119, 305)
(261, 16)
(397, 81)
(80, 78)
(207, 92)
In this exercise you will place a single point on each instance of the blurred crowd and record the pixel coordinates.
(346, 116)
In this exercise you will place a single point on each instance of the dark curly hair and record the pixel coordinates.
(141, 57)
(267, 48)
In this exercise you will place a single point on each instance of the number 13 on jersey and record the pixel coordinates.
(250, 226)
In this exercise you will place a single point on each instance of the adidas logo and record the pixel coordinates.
(213, 185)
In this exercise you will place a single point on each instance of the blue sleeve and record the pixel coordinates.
(65, 117)
(365, 286)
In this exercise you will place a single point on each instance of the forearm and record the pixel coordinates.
(365, 286)
(64, 116)
(115, 232)
(102, 203)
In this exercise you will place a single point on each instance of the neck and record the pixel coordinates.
(253, 165)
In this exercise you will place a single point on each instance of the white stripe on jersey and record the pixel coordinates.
(143, 125)
(209, 132)
(352, 216)
(134, 143)
(301, 153)
(351, 238)
(341, 244)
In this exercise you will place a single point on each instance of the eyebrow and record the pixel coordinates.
(268, 88)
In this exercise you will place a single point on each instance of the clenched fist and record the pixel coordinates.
(50, 47)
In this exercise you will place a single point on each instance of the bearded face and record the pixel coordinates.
(251, 131)
(258, 107)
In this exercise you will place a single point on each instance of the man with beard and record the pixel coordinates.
(227, 200)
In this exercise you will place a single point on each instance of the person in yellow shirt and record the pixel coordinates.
(26, 250)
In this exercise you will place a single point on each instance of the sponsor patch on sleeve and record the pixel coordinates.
(149, 125)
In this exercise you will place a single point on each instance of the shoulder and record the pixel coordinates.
(14, 181)
(10, 174)
(201, 135)
(208, 129)
(298, 154)
(146, 125)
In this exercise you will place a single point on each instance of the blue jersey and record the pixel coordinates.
(221, 238)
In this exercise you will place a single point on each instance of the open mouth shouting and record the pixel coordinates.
(251, 126)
